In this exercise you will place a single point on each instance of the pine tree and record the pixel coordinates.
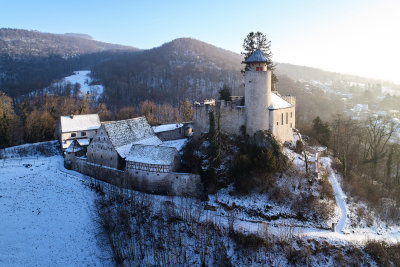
(258, 40)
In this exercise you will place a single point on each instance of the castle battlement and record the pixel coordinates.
(290, 99)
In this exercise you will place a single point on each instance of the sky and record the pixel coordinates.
(360, 37)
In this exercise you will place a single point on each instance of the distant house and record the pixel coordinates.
(79, 128)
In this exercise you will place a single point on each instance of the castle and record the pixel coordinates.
(262, 110)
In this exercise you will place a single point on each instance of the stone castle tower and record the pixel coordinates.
(263, 109)
(257, 92)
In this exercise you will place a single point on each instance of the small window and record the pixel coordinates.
(158, 174)
(257, 68)
(111, 158)
(291, 114)
(287, 118)
(137, 172)
(73, 135)
(291, 125)
(277, 123)
(282, 119)
(83, 133)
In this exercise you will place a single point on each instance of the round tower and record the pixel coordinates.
(257, 92)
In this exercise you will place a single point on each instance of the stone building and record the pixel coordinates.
(114, 140)
(80, 128)
(128, 153)
(262, 109)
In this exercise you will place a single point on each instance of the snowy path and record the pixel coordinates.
(339, 196)
(46, 216)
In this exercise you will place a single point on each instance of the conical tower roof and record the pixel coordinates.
(256, 57)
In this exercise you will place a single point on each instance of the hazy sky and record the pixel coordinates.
(350, 36)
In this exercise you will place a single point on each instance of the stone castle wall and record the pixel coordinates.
(170, 183)
(232, 117)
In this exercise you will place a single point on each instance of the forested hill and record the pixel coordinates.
(17, 43)
(182, 68)
(31, 60)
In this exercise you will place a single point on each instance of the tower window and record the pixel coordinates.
(287, 118)
(282, 119)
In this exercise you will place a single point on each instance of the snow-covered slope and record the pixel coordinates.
(82, 77)
(46, 215)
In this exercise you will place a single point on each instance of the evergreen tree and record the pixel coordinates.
(225, 93)
(258, 40)
(322, 131)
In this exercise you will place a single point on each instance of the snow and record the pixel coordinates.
(83, 142)
(167, 127)
(278, 102)
(123, 151)
(83, 78)
(150, 141)
(152, 154)
(339, 195)
(77, 123)
(47, 216)
(178, 143)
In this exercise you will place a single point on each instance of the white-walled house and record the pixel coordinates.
(80, 128)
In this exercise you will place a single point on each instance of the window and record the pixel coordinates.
(277, 123)
(257, 68)
(83, 133)
(282, 119)
(73, 135)
(291, 114)
(287, 118)
(291, 125)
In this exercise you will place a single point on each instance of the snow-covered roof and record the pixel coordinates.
(277, 102)
(76, 123)
(256, 57)
(152, 154)
(124, 133)
(73, 147)
(66, 144)
(167, 127)
(178, 143)
(83, 142)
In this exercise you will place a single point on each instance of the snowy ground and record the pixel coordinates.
(83, 78)
(46, 215)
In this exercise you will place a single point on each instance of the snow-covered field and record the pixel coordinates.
(46, 215)
(83, 78)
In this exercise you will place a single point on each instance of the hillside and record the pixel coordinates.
(17, 44)
(182, 68)
(46, 207)
(31, 60)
